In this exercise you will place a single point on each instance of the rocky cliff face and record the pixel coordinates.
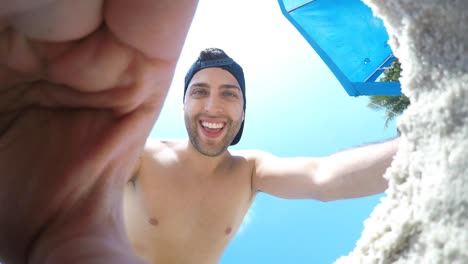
(424, 216)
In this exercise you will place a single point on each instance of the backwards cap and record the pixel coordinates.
(227, 64)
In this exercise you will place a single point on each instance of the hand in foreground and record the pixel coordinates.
(81, 85)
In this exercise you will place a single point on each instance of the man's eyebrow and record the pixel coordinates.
(206, 85)
(230, 86)
(200, 84)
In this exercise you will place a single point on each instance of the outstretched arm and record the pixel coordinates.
(348, 174)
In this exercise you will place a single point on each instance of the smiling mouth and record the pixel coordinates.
(212, 125)
(212, 129)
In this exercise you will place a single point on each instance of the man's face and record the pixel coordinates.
(213, 110)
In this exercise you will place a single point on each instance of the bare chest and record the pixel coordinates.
(170, 211)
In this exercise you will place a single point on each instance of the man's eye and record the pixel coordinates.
(199, 92)
(229, 94)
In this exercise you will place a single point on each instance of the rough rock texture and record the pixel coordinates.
(424, 216)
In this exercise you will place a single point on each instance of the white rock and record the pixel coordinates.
(424, 216)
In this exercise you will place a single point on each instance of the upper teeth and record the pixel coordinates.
(212, 125)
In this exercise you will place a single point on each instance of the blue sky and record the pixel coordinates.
(295, 107)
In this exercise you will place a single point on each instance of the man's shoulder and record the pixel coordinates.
(163, 151)
(157, 151)
(254, 155)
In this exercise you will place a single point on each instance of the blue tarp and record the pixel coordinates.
(350, 40)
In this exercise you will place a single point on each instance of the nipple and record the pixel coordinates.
(153, 221)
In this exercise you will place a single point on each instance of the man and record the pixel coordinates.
(187, 198)
(81, 85)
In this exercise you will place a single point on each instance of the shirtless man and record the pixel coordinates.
(81, 85)
(187, 198)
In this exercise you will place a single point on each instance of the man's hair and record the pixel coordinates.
(217, 58)
(212, 54)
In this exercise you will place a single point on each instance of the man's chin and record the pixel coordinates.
(211, 152)
(211, 149)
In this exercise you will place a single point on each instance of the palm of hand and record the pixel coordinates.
(74, 116)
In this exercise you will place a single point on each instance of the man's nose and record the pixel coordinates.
(213, 105)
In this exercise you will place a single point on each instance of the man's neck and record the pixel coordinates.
(207, 165)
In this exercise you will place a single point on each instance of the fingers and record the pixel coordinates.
(156, 28)
(104, 58)
(120, 101)
(104, 73)
(11, 7)
(96, 65)
(58, 20)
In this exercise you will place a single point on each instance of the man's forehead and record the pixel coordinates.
(210, 76)
(214, 72)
